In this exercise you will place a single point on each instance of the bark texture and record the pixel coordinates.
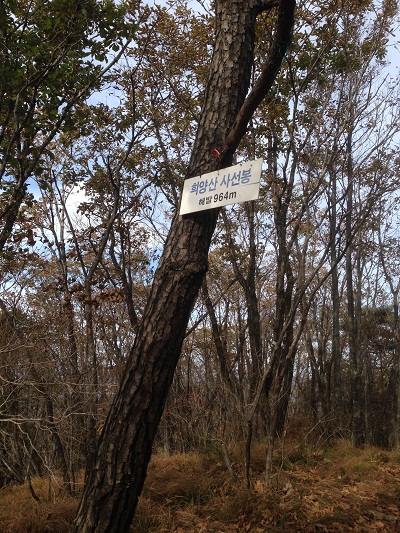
(114, 483)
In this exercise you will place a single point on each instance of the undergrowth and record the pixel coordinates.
(334, 487)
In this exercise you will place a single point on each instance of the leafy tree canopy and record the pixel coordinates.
(53, 54)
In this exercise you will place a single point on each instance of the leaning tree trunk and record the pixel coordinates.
(115, 482)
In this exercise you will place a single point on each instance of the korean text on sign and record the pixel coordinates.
(227, 186)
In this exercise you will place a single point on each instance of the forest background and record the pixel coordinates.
(298, 316)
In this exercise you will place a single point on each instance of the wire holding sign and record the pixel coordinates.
(236, 184)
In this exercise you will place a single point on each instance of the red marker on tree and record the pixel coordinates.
(217, 154)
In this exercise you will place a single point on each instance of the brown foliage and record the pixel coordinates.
(339, 488)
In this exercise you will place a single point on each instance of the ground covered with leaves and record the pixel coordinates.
(313, 489)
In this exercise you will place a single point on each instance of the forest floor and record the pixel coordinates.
(313, 489)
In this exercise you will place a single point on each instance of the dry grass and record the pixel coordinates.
(333, 489)
(20, 513)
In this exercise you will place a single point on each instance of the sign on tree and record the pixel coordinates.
(232, 185)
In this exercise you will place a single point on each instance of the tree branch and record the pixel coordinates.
(282, 40)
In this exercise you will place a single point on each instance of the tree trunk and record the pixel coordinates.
(395, 433)
(216, 334)
(358, 433)
(114, 484)
(248, 283)
(92, 364)
(393, 388)
(336, 352)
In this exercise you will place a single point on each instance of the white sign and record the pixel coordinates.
(232, 185)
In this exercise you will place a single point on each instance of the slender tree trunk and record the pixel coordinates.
(271, 437)
(91, 357)
(394, 382)
(216, 333)
(114, 484)
(336, 354)
(358, 434)
(284, 319)
(248, 284)
(58, 445)
(395, 433)
(254, 319)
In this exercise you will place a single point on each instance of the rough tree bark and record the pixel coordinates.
(114, 483)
